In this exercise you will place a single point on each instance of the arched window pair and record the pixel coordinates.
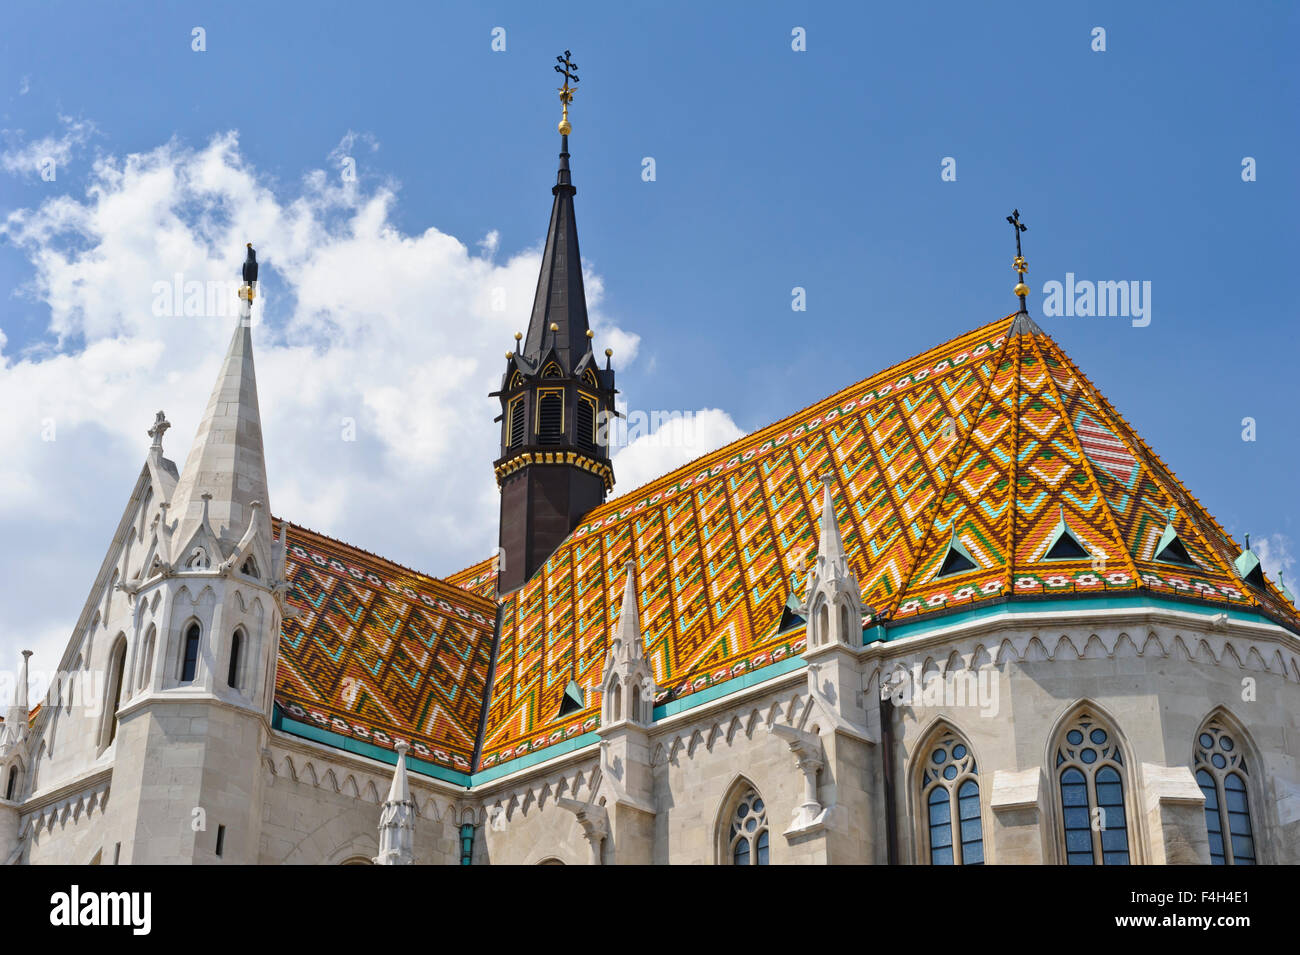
(1088, 766)
(190, 657)
(823, 628)
(1090, 771)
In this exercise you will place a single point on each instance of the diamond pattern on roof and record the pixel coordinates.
(381, 653)
(992, 438)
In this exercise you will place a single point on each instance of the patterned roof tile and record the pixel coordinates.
(382, 653)
(993, 438)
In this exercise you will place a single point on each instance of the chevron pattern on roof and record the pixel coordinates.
(993, 439)
(381, 653)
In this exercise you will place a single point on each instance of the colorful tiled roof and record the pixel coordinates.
(987, 444)
(480, 578)
(382, 653)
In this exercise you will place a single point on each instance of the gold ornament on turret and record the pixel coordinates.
(1019, 263)
(569, 70)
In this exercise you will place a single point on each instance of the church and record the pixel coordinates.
(955, 613)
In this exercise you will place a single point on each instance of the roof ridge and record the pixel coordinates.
(385, 560)
(695, 463)
(466, 569)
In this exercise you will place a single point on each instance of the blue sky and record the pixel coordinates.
(774, 169)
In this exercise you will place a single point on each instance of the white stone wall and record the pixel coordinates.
(522, 821)
(322, 807)
(67, 828)
(711, 752)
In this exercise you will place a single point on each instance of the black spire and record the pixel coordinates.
(561, 299)
(556, 401)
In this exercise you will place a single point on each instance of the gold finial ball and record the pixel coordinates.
(554, 327)
(509, 355)
(1022, 289)
(609, 352)
(564, 127)
(590, 333)
(518, 335)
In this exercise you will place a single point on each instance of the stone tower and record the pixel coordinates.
(193, 690)
(555, 404)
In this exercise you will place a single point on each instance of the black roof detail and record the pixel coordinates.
(560, 298)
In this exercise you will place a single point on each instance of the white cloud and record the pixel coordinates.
(675, 440)
(401, 333)
(31, 157)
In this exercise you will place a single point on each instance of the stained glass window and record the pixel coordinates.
(1090, 771)
(1222, 774)
(951, 794)
(747, 830)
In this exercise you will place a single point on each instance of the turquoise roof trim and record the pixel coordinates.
(1018, 607)
(727, 687)
(346, 743)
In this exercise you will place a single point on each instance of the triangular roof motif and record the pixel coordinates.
(957, 559)
(1171, 550)
(1064, 543)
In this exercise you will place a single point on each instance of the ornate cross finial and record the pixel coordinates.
(1019, 264)
(569, 70)
(160, 426)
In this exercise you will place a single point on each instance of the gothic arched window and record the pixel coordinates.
(746, 830)
(1223, 775)
(113, 692)
(146, 660)
(236, 651)
(11, 785)
(190, 656)
(1089, 769)
(950, 793)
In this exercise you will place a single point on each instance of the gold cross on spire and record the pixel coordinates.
(1019, 263)
(566, 67)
